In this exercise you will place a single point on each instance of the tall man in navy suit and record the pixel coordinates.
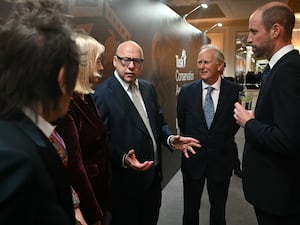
(212, 163)
(271, 161)
(38, 70)
(135, 138)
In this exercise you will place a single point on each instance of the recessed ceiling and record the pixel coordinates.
(226, 9)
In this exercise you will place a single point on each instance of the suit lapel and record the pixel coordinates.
(52, 163)
(45, 148)
(198, 95)
(150, 108)
(195, 100)
(223, 95)
(33, 132)
(222, 101)
(91, 115)
(268, 81)
(126, 105)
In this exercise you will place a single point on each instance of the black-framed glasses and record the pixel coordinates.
(125, 61)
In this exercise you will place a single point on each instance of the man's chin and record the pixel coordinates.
(130, 79)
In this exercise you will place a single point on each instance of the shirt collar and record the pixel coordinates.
(124, 84)
(216, 85)
(40, 122)
(281, 52)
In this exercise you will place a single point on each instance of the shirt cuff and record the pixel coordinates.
(169, 142)
(123, 161)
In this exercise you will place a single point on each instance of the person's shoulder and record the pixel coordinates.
(292, 56)
(25, 131)
(147, 85)
(187, 88)
(192, 84)
(232, 84)
(108, 81)
(145, 82)
(290, 62)
(105, 84)
(295, 56)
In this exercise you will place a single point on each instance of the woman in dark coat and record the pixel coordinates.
(84, 134)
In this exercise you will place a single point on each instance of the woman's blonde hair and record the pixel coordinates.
(90, 50)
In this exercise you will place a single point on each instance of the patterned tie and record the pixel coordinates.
(136, 99)
(209, 110)
(265, 74)
(59, 144)
(60, 147)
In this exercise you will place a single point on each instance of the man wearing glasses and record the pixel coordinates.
(129, 107)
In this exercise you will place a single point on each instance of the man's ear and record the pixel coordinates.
(276, 30)
(61, 81)
(221, 67)
(115, 61)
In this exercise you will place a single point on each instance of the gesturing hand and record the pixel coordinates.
(184, 144)
(134, 163)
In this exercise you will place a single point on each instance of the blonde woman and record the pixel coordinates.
(84, 134)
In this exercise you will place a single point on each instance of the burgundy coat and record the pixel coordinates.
(85, 137)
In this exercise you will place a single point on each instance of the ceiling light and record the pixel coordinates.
(213, 26)
(203, 5)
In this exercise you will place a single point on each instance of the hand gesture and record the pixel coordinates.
(134, 163)
(184, 144)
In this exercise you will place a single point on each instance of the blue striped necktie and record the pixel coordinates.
(209, 109)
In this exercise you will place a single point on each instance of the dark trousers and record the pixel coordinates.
(138, 208)
(236, 160)
(192, 193)
(264, 218)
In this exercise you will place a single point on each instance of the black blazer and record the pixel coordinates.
(271, 161)
(33, 185)
(218, 142)
(127, 131)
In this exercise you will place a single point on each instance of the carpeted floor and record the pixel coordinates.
(238, 212)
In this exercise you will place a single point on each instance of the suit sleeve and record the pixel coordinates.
(17, 179)
(180, 109)
(26, 190)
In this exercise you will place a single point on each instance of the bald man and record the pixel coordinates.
(136, 130)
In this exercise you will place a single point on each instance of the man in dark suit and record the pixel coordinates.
(38, 70)
(271, 161)
(212, 163)
(136, 129)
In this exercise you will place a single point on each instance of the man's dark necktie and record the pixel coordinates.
(265, 74)
(209, 109)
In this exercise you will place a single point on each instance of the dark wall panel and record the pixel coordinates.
(170, 47)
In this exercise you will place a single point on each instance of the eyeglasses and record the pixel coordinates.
(125, 61)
